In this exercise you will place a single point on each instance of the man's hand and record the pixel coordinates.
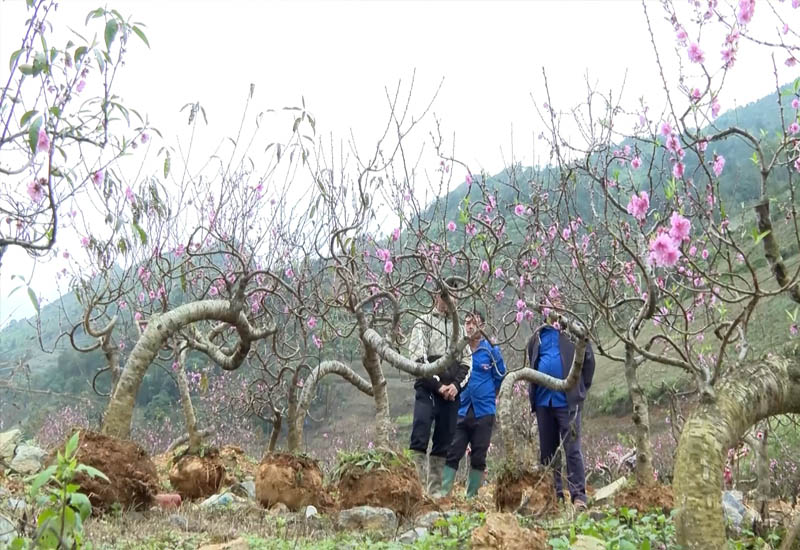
(449, 392)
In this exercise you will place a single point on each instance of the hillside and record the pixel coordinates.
(64, 370)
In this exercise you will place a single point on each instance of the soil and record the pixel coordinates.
(133, 481)
(531, 493)
(502, 532)
(396, 487)
(193, 476)
(238, 465)
(295, 481)
(644, 499)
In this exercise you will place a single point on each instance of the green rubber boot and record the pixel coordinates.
(448, 477)
(474, 481)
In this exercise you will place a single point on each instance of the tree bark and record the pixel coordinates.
(382, 348)
(641, 421)
(117, 420)
(310, 389)
(195, 440)
(504, 413)
(372, 364)
(276, 432)
(761, 459)
(745, 396)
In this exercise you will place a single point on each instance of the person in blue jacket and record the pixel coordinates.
(476, 414)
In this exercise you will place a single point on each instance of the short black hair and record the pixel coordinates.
(477, 313)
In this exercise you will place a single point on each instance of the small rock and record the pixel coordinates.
(218, 500)
(7, 531)
(27, 459)
(168, 501)
(245, 489)
(412, 535)
(429, 519)
(310, 512)
(736, 513)
(8, 442)
(585, 542)
(368, 518)
(179, 521)
(609, 490)
(235, 544)
(279, 509)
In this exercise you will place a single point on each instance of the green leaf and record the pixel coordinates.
(754, 158)
(645, 545)
(142, 234)
(91, 471)
(166, 165)
(34, 299)
(94, 14)
(79, 53)
(111, 31)
(101, 63)
(13, 59)
(42, 478)
(140, 33)
(72, 444)
(26, 117)
(27, 70)
(123, 246)
(758, 237)
(33, 133)
(81, 502)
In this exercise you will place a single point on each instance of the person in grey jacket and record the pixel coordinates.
(436, 400)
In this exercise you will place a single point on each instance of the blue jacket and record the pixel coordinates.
(548, 362)
(577, 394)
(488, 369)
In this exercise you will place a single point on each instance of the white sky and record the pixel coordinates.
(341, 55)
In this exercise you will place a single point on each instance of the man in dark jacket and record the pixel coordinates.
(476, 415)
(558, 414)
(435, 402)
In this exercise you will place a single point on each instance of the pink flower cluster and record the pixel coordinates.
(638, 205)
(665, 248)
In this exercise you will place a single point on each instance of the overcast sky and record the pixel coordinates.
(341, 55)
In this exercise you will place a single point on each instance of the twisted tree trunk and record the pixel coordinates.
(195, 440)
(117, 419)
(372, 364)
(747, 395)
(310, 389)
(277, 421)
(641, 420)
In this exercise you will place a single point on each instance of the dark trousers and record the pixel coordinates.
(559, 425)
(432, 408)
(477, 432)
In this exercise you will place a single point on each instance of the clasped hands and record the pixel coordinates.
(448, 392)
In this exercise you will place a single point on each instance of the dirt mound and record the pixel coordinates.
(237, 464)
(502, 532)
(644, 499)
(295, 481)
(195, 476)
(133, 481)
(395, 486)
(531, 492)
